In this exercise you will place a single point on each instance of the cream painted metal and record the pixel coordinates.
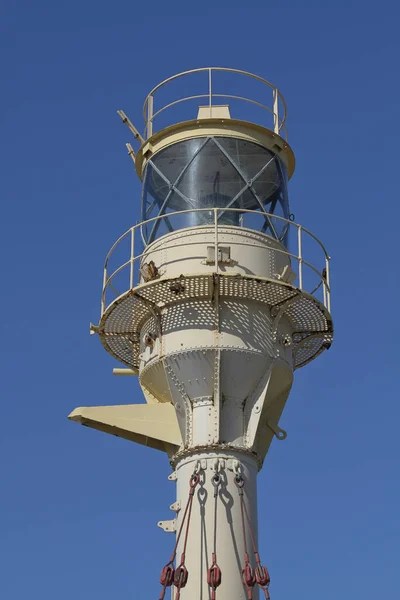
(150, 425)
(230, 542)
(213, 316)
(320, 266)
(214, 118)
(240, 251)
(256, 267)
(201, 128)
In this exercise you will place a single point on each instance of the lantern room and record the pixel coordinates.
(234, 157)
(214, 172)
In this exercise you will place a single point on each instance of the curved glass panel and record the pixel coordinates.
(214, 172)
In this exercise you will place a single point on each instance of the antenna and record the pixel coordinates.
(219, 298)
(130, 126)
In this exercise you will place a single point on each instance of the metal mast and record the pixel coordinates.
(213, 300)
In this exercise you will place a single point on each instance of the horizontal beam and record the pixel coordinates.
(153, 425)
(124, 372)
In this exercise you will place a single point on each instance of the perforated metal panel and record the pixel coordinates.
(121, 324)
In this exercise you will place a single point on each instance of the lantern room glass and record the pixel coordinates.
(215, 172)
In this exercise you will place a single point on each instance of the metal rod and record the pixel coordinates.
(103, 300)
(247, 186)
(123, 266)
(131, 152)
(125, 372)
(108, 282)
(172, 187)
(216, 238)
(210, 90)
(224, 69)
(130, 126)
(131, 282)
(325, 283)
(234, 97)
(241, 210)
(276, 110)
(195, 97)
(149, 128)
(278, 250)
(251, 188)
(328, 283)
(299, 248)
(281, 250)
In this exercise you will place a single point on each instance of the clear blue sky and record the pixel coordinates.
(78, 509)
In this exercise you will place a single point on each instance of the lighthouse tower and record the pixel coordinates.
(213, 300)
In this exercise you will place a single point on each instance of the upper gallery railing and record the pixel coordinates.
(276, 108)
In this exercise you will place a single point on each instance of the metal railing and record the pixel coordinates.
(277, 109)
(318, 284)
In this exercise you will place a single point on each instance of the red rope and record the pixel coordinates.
(179, 576)
(214, 576)
(260, 574)
(181, 572)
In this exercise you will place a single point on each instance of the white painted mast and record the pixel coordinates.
(214, 314)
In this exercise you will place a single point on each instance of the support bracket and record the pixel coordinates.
(280, 434)
(168, 526)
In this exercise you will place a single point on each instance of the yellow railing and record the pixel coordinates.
(277, 108)
(318, 285)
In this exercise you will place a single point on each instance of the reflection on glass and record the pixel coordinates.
(208, 173)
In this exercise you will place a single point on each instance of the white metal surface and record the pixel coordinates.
(317, 264)
(193, 250)
(260, 270)
(230, 542)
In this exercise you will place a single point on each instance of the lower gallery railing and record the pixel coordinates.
(309, 258)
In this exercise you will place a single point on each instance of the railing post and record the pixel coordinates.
(103, 292)
(300, 256)
(131, 276)
(150, 102)
(328, 285)
(276, 110)
(216, 238)
(210, 90)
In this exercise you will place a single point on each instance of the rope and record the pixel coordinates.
(260, 574)
(214, 572)
(250, 576)
(216, 480)
(181, 572)
(179, 576)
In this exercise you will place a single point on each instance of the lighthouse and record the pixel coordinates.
(212, 300)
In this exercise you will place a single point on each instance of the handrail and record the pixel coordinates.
(294, 256)
(241, 210)
(322, 274)
(196, 97)
(149, 115)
